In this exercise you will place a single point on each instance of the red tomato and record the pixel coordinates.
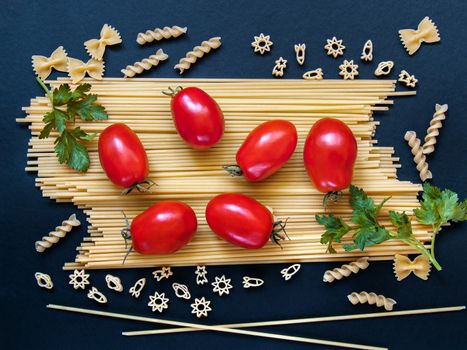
(240, 220)
(329, 154)
(197, 117)
(266, 149)
(122, 156)
(163, 228)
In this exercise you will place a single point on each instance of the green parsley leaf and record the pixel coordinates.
(87, 110)
(367, 236)
(335, 229)
(80, 91)
(62, 95)
(70, 151)
(402, 222)
(80, 134)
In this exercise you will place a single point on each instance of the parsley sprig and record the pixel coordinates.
(66, 105)
(437, 209)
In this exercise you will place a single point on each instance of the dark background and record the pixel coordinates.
(38, 27)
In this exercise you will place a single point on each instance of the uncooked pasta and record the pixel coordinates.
(196, 176)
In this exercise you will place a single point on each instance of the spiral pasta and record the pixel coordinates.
(419, 158)
(60, 232)
(345, 270)
(146, 64)
(371, 298)
(198, 51)
(159, 34)
(436, 123)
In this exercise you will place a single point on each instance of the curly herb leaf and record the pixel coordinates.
(335, 229)
(68, 145)
(402, 222)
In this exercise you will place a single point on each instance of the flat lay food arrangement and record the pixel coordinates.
(204, 174)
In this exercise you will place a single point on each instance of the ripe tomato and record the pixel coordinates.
(123, 157)
(329, 154)
(265, 150)
(163, 228)
(197, 117)
(241, 220)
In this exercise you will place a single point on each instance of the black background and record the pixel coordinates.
(38, 27)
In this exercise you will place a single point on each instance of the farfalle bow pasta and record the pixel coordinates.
(426, 32)
(403, 267)
(77, 69)
(96, 47)
(43, 65)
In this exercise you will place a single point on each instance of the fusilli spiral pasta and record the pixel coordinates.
(419, 158)
(198, 51)
(159, 34)
(436, 123)
(60, 232)
(372, 298)
(346, 270)
(146, 64)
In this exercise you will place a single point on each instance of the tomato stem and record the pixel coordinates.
(233, 170)
(139, 186)
(278, 227)
(172, 92)
(126, 234)
(333, 196)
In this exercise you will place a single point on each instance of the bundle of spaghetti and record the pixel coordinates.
(194, 177)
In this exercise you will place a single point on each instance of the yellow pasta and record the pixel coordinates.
(372, 298)
(419, 158)
(346, 270)
(426, 32)
(77, 69)
(96, 47)
(159, 34)
(198, 51)
(403, 267)
(43, 65)
(436, 123)
(146, 64)
(59, 232)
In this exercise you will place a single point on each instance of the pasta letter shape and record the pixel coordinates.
(146, 64)
(59, 232)
(436, 123)
(77, 69)
(198, 51)
(96, 47)
(372, 298)
(43, 65)
(403, 267)
(345, 270)
(419, 158)
(426, 32)
(159, 34)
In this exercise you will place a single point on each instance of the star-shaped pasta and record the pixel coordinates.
(79, 279)
(164, 272)
(201, 307)
(262, 43)
(409, 80)
(158, 302)
(349, 70)
(222, 285)
(334, 47)
(278, 70)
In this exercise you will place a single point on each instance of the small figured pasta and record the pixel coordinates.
(94, 294)
(198, 51)
(77, 69)
(59, 232)
(345, 270)
(159, 34)
(96, 47)
(44, 280)
(436, 123)
(146, 64)
(419, 158)
(371, 298)
(43, 65)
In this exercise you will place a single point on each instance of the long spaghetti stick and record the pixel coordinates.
(305, 320)
(213, 328)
